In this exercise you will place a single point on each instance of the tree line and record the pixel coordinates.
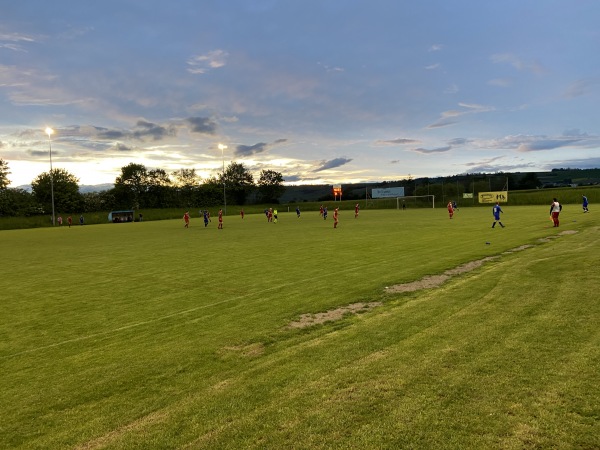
(138, 187)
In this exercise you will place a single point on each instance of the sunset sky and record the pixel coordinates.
(323, 91)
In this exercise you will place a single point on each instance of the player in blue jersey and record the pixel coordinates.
(496, 210)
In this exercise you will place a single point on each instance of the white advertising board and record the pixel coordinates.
(388, 192)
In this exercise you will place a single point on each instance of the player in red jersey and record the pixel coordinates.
(186, 219)
(450, 209)
(335, 217)
(356, 208)
(220, 219)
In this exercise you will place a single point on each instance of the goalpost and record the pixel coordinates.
(424, 200)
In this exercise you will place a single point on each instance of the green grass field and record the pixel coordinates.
(149, 335)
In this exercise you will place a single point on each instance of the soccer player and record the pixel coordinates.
(555, 209)
(335, 217)
(205, 215)
(298, 211)
(275, 216)
(69, 221)
(59, 220)
(585, 204)
(186, 219)
(356, 208)
(220, 219)
(450, 209)
(496, 210)
(321, 211)
(325, 213)
(242, 213)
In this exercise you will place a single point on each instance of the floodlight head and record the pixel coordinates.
(49, 131)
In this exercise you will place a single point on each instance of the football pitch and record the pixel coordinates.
(298, 335)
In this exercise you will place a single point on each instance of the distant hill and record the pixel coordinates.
(85, 188)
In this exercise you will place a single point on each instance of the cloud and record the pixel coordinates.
(200, 64)
(248, 150)
(534, 143)
(433, 66)
(202, 125)
(589, 163)
(582, 87)
(332, 164)
(441, 124)
(399, 141)
(330, 68)
(149, 129)
(516, 62)
(122, 147)
(546, 144)
(469, 108)
(458, 141)
(500, 82)
(12, 41)
(436, 48)
(433, 150)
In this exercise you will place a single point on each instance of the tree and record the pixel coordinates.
(131, 186)
(66, 191)
(17, 202)
(186, 184)
(238, 182)
(159, 189)
(210, 193)
(4, 181)
(529, 181)
(270, 186)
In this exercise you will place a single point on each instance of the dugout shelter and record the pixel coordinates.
(126, 215)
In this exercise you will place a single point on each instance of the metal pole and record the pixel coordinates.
(223, 147)
(49, 131)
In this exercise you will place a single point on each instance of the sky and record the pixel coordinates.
(322, 91)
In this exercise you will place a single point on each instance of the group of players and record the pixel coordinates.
(271, 215)
(555, 209)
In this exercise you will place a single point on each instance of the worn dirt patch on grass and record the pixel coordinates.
(563, 233)
(431, 281)
(308, 320)
(427, 282)
(518, 249)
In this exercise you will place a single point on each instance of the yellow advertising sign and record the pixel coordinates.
(493, 197)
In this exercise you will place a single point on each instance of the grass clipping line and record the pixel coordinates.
(427, 282)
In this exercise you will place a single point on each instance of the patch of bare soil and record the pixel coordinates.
(427, 282)
(518, 249)
(431, 281)
(563, 233)
(308, 320)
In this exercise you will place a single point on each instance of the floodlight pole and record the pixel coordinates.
(49, 132)
(223, 147)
